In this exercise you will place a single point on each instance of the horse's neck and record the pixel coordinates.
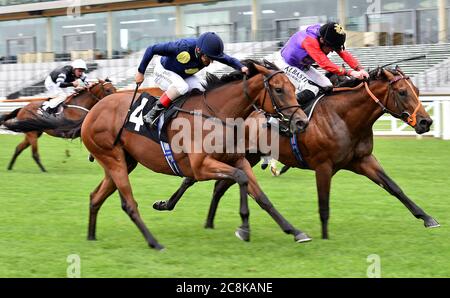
(84, 99)
(358, 109)
(232, 102)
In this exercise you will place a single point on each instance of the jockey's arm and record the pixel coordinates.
(350, 60)
(162, 49)
(232, 62)
(60, 81)
(312, 46)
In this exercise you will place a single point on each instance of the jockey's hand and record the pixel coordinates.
(245, 70)
(76, 83)
(79, 88)
(357, 74)
(364, 73)
(139, 78)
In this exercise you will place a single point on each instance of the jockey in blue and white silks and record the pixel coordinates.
(175, 71)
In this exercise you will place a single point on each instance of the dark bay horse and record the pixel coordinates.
(28, 121)
(339, 136)
(235, 97)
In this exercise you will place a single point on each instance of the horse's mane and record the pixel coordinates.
(213, 82)
(85, 90)
(345, 82)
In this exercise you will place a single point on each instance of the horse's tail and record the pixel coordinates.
(11, 115)
(63, 127)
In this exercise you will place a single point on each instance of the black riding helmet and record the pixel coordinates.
(334, 35)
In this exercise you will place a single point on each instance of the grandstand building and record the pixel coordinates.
(37, 36)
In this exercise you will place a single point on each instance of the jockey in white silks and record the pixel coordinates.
(58, 81)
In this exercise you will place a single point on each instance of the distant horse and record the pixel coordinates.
(233, 97)
(61, 125)
(339, 136)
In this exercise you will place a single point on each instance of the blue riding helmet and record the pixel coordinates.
(211, 45)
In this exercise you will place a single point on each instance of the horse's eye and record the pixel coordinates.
(403, 92)
(278, 90)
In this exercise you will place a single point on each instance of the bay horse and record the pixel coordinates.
(33, 125)
(234, 97)
(340, 137)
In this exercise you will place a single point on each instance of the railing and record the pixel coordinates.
(439, 109)
(438, 106)
(17, 2)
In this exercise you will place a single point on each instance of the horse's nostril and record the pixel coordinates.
(302, 124)
(425, 123)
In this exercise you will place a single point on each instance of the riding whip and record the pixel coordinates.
(127, 117)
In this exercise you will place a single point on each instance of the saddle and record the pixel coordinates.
(142, 106)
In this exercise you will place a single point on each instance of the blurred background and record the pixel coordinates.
(111, 35)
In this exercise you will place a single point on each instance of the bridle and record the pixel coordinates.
(275, 104)
(410, 119)
(96, 99)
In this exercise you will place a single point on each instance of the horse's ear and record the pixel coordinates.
(387, 74)
(379, 69)
(107, 80)
(251, 68)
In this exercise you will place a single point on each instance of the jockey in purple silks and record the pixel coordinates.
(312, 45)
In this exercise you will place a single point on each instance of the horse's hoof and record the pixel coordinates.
(91, 238)
(91, 158)
(302, 237)
(431, 223)
(157, 246)
(209, 226)
(159, 205)
(243, 234)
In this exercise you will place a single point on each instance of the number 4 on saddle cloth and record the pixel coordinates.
(158, 133)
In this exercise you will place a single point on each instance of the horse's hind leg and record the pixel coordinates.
(171, 203)
(370, 168)
(100, 194)
(114, 163)
(262, 200)
(22, 146)
(33, 139)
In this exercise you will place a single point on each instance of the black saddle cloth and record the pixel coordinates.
(142, 106)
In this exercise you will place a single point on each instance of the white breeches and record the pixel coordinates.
(170, 81)
(59, 94)
(299, 78)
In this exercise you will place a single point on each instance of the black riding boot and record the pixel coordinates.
(153, 115)
(305, 96)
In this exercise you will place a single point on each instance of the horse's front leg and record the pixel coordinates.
(323, 183)
(22, 146)
(263, 201)
(172, 202)
(371, 168)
